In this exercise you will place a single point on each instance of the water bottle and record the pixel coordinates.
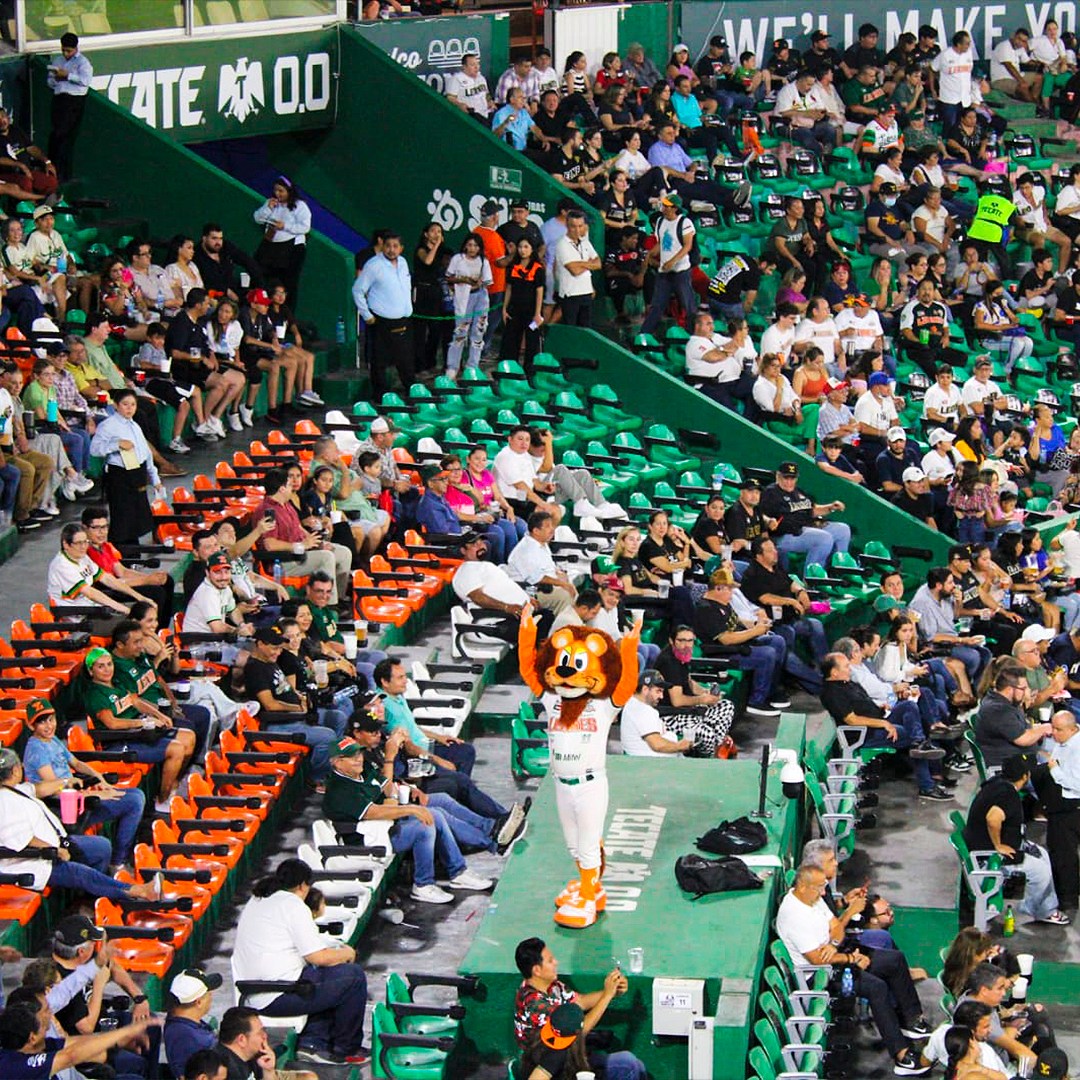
(847, 983)
(61, 264)
(279, 572)
(160, 299)
(717, 480)
(1006, 599)
(339, 330)
(52, 411)
(1009, 926)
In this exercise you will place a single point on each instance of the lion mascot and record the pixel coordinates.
(583, 678)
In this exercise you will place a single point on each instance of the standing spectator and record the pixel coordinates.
(217, 259)
(499, 256)
(575, 260)
(523, 304)
(674, 241)
(430, 259)
(286, 221)
(1058, 786)
(469, 276)
(955, 68)
(69, 80)
(383, 296)
(277, 939)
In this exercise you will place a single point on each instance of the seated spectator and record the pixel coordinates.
(717, 366)
(219, 261)
(988, 985)
(887, 233)
(840, 286)
(1000, 332)
(1001, 729)
(27, 825)
(831, 460)
(214, 609)
(804, 925)
(798, 102)
(835, 418)
(943, 402)
(818, 330)
(996, 823)
(690, 709)
(973, 1020)
(891, 464)
(684, 177)
(277, 939)
(284, 321)
(73, 579)
(515, 471)
(779, 407)
(585, 608)
(542, 992)
(795, 513)
(193, 367)
(157, 585)
(624, 266)
(261, 351)
(1012, 71)
(532, 564)
(361, 788)
(933, 223)
(849, 704)
(369, 523)
(717, 623)
(475, 514)
(860, 330)
(185, 1032)
(39, 397)
(915, 498)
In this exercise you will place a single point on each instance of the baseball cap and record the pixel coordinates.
(380, 425)
(346, 747)
(672, 199)
(721, 576)
(435, 472)
(37, 710)
(780, 43)
(192, 983)
(1052, 1064)
(888, 188)
(470, 536)
(718, 41)
(939, 434)
(270, 635)
(832, 385)
(519, 204)
(1038, 633)
(490, 207)
(77, 930)
(918, 114)
(819, 35)
(913, 475)
(563, 1025)
(260, 296)
(55, 348)
(886, 107)
(41, 211)
(879, 378)
(605, 564)
(219, 558)
(751, 483)
(681, 47)
(895, 433)
(1012, 768)
(652, 677)
(860, 298)
(365, 721)
(613, 582)
(787, 468)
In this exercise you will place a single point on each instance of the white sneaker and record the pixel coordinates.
(83, 483)
(605, 511)
(247, 416)
(163, 806)
(68, 490)
(431, 894)
(50, 508)
(205, 430)
(178, 446)
(313, 397)
(473, 882)
(217, 425)
(252, 707)
(584, 508)
(235, 423)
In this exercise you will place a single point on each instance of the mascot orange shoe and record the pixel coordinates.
(583, 678)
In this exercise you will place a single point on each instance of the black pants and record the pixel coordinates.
(649, 185)
(887, 986)
(391, 346)
(577, 310)
(619, 289)
(129, 510)
(1062, 836)
(24, 305)
(516, 331)
(284, 262)
(67, 111)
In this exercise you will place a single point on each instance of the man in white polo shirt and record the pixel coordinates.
(819, 328)
(575, 259)
(641, 728)
(714, 364)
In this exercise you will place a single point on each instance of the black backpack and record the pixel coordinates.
(739, 837)
(698, 875)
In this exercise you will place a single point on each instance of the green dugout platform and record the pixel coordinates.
(656, 811)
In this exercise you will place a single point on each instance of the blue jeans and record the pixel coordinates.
(622, 1065)
(127, 812)
(816, 544)
(452, 823)
(970, 530)
(909, 732)
(335, 1011)
(77, 444)
(974, 658)
(73, 875)
(647, 653)
(944, 684)
(9, 487)
(672, 283)
(365, 663)
(196, 718)
(1070, 610)
(812, 631)
(319, 739)
(335, 719)
(93, 851)
(763, 662)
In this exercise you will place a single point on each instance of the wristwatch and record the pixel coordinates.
(138, 999)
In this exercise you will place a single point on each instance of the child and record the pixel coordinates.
(1014, 452)
(370, 465)
(747, 73)
(832, 460)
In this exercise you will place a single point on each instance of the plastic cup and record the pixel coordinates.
(637, 959)
(403, 794)
(361, 632)
(1020, 989)
(349, 641)
(322, 673)
(1026, 962)
(585, 1074)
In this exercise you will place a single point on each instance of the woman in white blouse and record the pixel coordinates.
(181, 274)
(286, 220)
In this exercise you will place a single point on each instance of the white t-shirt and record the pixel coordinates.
(671, 236)
(789, 99)
(955, 85)
(934, 1051)
(867, 328)
(1033, 215)
(937, 466)
(822, 334)
(726, 370)
(470, 90)
(1068, 199)
(634, 165)
(273, 936)
(639, 720)
(765, 395)
(935, 221)
(945, 402)
(67, 578)
(875, 412)
(975, 391)
(24, 818)
(888, 174)
(567, 251)
(802, 929)
(1045, 50)
(778, 340)
(490, 579)
(208, 604)
(512, 468)
(1006, 53)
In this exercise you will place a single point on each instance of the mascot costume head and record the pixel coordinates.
(583, 677)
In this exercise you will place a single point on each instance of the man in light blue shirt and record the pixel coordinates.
(688, 110)
(514, 121)
(69, 80)
(681, 175)
(383, 296)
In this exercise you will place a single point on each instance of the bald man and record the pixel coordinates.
(1058, 785)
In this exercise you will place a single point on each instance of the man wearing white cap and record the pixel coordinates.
(185, 1030)
(914, 498)
(1029, 651)
(891, 462)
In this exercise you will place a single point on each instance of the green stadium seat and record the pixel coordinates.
(398, 1055)
(981, 876)
(573, 413)
(529, 754)
(627, 445)
(607, 409)
(548, 375)
(665, 450)
(512, 383)
(440, 1021)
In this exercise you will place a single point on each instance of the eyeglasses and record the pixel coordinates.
(79, 541)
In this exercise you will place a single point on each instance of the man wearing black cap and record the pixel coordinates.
(520, 227)
(716, 72)
(641, 729)
(1053, 1064)
(889, 233)
(795, 513)
(996, 823)
(186, 1032)
(743, 521)
(821, 56)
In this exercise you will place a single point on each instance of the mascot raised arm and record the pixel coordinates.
(583, 677)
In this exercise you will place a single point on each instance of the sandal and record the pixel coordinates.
(1056, 918)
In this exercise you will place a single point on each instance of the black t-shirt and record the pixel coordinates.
(842, 699)
(626, 213)
(630, 262)
(673, 672)
(997, 792)
(512, 232)
(998, 725)
(967, 591)
(194, 576)
(924, 57)
(921, 507)
(743, 524)
(890, 467)
(650, 550)
(1036, 282)
(1063, 654)
(256, 326)
(705, 527)
(858, 56)
(1069, 302)
(784, 69)
(712, 68)
(551, 126)
(970, 141)
(524, 282)
(217, 274)
(293, 667)
(75, 1010)
(261, 675)
(757, 581)
(635, 568)
(794, 510)
(186, 336)
(734, 279)
(712, 619)
(568, 169)
(817, 62)
(932, 318)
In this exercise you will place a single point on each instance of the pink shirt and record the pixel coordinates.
(288, 526)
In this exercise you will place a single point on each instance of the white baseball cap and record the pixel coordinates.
(895, 433)
(1038, 633)
(913, 475)
(192, 983)
(380, 425)
(939, 434)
